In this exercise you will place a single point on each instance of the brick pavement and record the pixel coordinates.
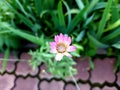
(19, 76)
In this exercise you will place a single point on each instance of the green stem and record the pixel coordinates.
(78, 88)
(12, 60)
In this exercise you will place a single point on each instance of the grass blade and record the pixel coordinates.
(113, 26)
(96, 42)
(92, 66)
(100, 5)
(25, 20)
(27, 36)
(75, 21)
(5, 59)
(88, 20)
(68, 13)
(115, 13)
(92, 4)
(38, 6)
(61, 15)
(73, 11)
(80, 36)
(22, 34)
(117, 64)
(117, 45)
(80, 4)
(104, 19)
(112, 35)
(21, 7)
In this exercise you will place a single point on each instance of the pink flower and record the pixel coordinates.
(61, 46)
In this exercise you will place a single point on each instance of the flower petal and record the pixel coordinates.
(53, 47)
(56, 38)
(67, 40)
(53, 50)
(61, 37)
(59, 56)
(71, 48)
(67, 54)
(52, 44)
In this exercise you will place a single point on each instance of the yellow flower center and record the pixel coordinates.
(61, 48)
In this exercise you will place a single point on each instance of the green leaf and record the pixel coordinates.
(73, 11)
(80, 36)
(80, 4)
(5, 59)
(112, 35)
(113, 26)
(1, 42)
(68, 13)
(100, 5)
(88, 20)
(38, 6)
(96, 42)
(92, 66)
(117, 45)
(27, 36)
(77, 18)
(55, 20)
(25, 19)
(21, 7)
(43, 6)
(3, 32)
(22, 34)
(104, 19)
(115, 12)
(11, 41)
(78, 46)
(91, 52)
(75, 54)
(117, 64)
(92, 5)
(61, 15)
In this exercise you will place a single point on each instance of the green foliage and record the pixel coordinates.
(6, 14)
(104, 19)
(117, 64)
(92, 64)
(58, 68)
(5, 59)
(6, 37)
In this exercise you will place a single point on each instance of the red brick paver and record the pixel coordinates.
(23, 67)
(88, 79)
(25, 56)
(105, 88)
(83, 69)
(109, 88)
(53, 85)
(7, 82)
(81, 86)
(26, 84)
(103, 71)
(43, 74)
(118, 79)
(96, 88)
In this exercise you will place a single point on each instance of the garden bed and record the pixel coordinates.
(70, 44)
